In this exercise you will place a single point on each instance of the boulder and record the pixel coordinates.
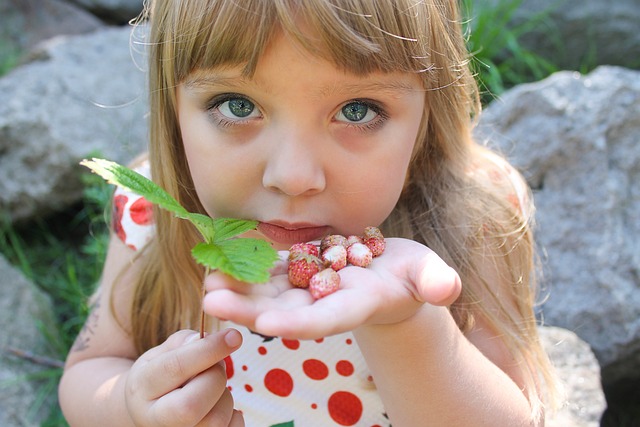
(577, 35)
(23, 310)
(593, 32)
(579, 375)
(117, 11)
(576, 138)
(25, 23)
(80, 95)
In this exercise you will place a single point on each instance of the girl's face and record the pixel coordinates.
(303, 147)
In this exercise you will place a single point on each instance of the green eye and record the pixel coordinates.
(355, 111)
(359, 112)
(237, 107)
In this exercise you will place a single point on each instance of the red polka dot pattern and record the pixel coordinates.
(279, 382)
(344, 368)
(345, 408)
(315, 369)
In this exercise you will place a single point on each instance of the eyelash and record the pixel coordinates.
(220, 119)
(225, 122)
(372, 125)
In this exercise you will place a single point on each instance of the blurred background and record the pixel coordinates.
(561, 95)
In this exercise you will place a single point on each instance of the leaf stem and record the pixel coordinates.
(204, 292)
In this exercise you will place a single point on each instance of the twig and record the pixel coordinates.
(34, 358)
(204, 292)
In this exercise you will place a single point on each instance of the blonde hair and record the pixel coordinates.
(454, 212)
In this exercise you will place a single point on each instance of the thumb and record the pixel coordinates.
(436, 282)
(181, 357)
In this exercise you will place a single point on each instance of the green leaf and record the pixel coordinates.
(139, 184)
(247, 260)
(226, 228)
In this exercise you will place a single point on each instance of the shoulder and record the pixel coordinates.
(495, 173)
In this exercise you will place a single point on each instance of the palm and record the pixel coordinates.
(391, 289)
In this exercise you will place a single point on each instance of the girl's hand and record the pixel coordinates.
(182, 382)
(390, 290)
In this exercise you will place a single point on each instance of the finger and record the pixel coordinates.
(244, 309)
(170, 370)
(174, 341)
(222, 412)
(436, 282)
(276, 285)
(189, 404)
(237, 420)
(333, 314)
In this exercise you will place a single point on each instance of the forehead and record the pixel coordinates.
(361, 39)
(320, 78)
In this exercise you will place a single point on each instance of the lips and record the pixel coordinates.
(292, 233)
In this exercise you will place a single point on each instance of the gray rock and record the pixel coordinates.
(22, 309)
(576, 139)
(587, 32)
(579, 374)
(574, 34)
(116, 10)
(85, 94)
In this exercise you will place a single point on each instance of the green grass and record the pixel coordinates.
(10, 54)
(499, 58)
(63, 256)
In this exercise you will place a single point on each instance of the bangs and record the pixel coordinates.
(368, 36)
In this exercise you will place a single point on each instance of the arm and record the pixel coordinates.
(426, 369)
(422, 364)
(179, 383)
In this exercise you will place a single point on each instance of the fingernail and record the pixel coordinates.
(233, 338)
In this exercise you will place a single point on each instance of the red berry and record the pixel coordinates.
(302, 268)
(302, 248)
(332, 240)
(324, 283)
(372, 232)
(359, 254)
(335, 257)
(354, 239)
(376, 245)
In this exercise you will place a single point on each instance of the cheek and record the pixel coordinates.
(210, 166)
(370, 193)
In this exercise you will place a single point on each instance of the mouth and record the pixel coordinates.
(292, 233)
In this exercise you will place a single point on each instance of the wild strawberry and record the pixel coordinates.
(374, 240)
(302, 268)
(372, 232)
(335, 257)
(354, 239)
(324, 283)
(332, 240)
(376, 245)
(359, 254)
(302, 248)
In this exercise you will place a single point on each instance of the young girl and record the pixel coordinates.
(316, 117)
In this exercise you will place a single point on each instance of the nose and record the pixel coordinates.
(295, 164)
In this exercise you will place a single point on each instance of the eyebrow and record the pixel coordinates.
(203, 81)
(209, 80)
